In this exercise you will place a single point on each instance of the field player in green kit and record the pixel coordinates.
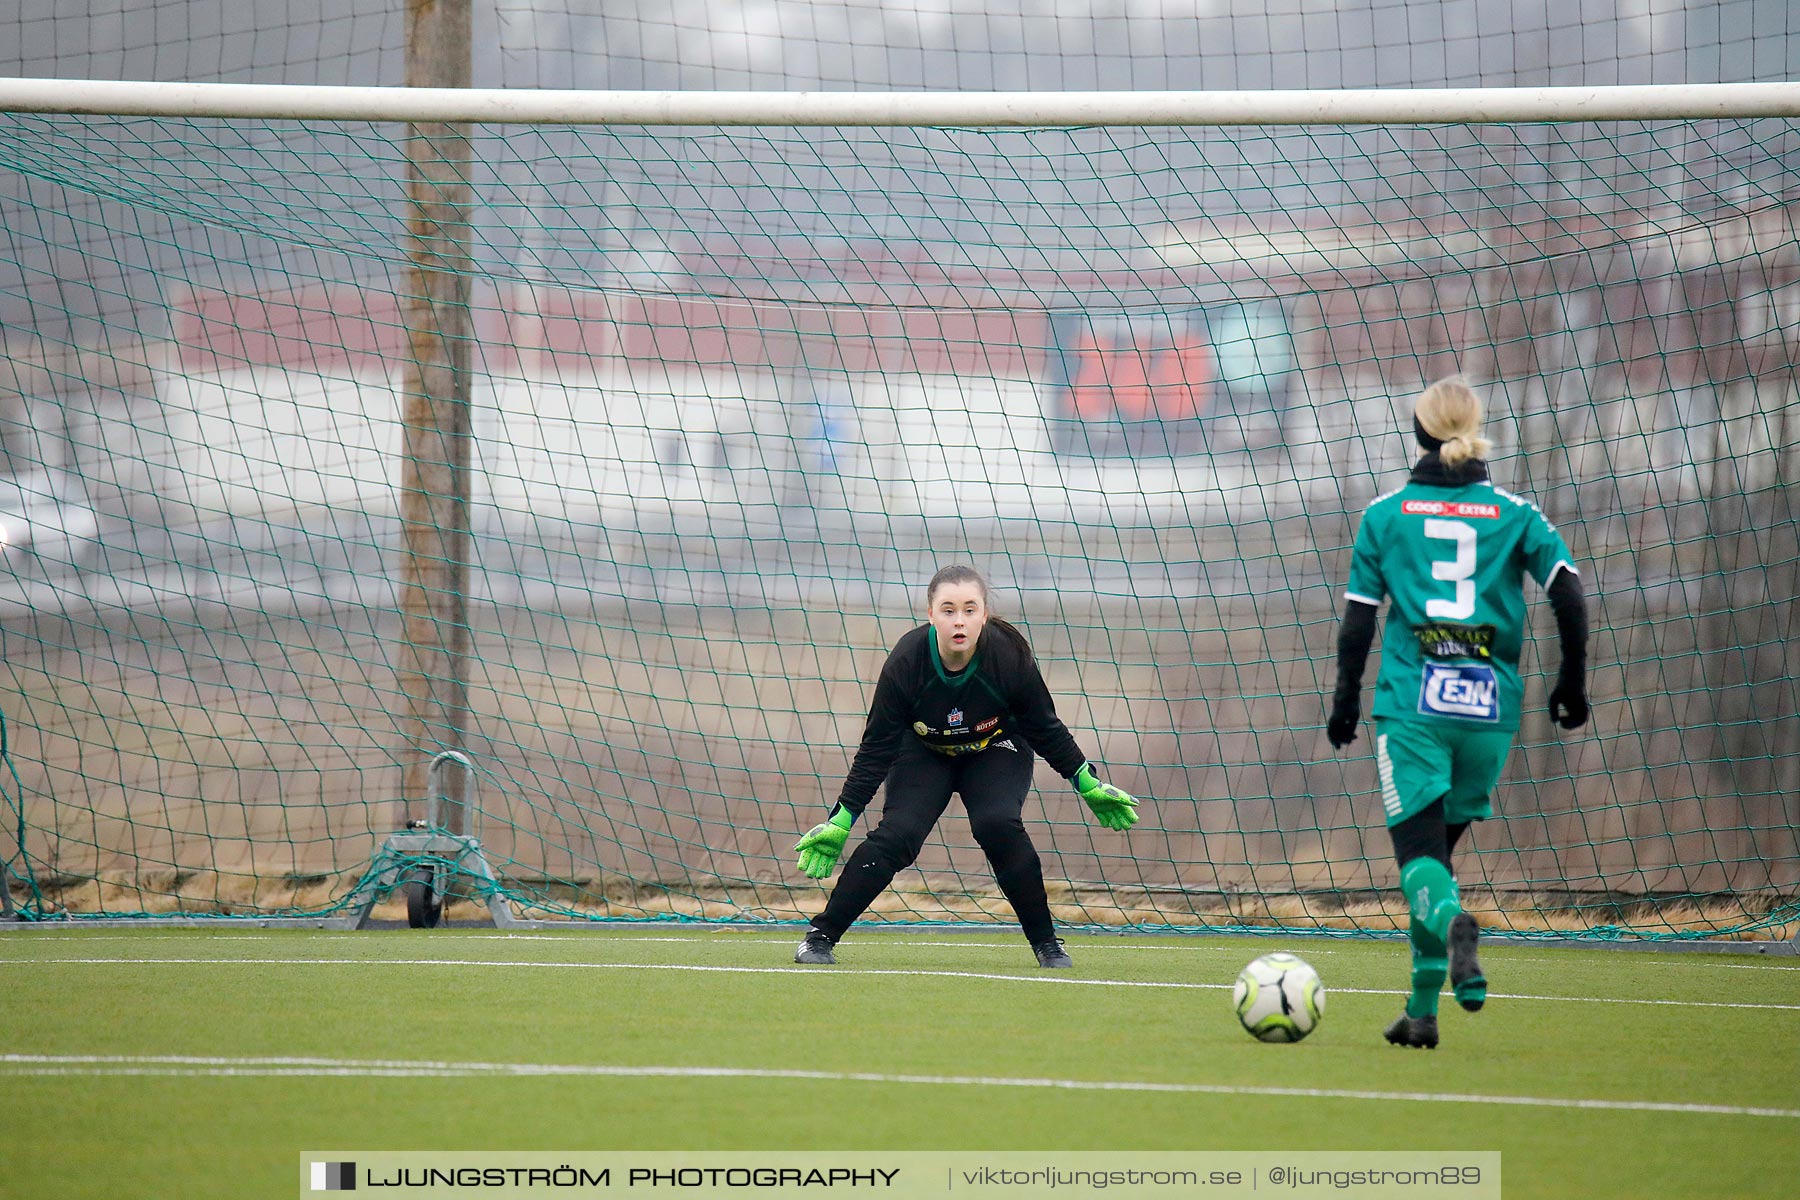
(1449, 552)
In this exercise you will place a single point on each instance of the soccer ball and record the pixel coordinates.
(1279, 998)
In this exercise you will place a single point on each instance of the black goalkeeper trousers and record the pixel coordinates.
(993, 784)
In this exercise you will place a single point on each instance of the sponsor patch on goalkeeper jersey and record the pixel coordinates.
(1470, 692)
(953, 749)
(1450, 508)
(1445, 639)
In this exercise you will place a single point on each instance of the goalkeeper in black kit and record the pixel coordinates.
(959, 708)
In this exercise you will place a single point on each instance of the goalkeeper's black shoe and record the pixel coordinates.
(816, 949)
(1466, 978)
(1419, 1032)
(1051, 954)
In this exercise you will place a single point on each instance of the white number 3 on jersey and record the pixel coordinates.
(1460, 570)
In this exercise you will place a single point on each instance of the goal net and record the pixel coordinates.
(735, 392)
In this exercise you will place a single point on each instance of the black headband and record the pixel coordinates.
(1425, 439)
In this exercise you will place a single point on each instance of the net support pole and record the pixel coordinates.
(434, 499)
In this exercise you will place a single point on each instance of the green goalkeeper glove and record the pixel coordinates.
(1112, 808)
(820, 848)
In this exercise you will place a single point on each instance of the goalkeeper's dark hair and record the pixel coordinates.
(957, 573)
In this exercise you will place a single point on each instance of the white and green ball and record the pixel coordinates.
(1279, 998)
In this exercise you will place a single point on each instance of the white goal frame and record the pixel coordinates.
(923, 109)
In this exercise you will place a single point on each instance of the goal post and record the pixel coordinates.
(745, 368)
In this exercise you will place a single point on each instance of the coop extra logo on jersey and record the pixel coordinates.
(1449, 508)
(1469, 692)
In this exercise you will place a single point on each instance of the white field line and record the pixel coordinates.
(175, 1064)
(583, 937)
(1083, 945)
(745, 939)
(1516, 952)
(813, 972)
(578, 937)
(1702, 960)
(1301, 945)
(159, 938)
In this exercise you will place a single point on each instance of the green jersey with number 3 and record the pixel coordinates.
(1452, 559)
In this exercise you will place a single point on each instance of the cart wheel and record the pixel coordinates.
(424, 903)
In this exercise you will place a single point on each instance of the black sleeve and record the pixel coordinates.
(1035, 713)
(1569, 604)
(1355, 636)
(880, 740)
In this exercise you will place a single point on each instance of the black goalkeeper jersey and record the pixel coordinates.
(999, 694)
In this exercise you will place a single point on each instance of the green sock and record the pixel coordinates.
(1431, 896)
(1427, 981)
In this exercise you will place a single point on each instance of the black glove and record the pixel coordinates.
(1346, 712)
(1568, 699)
(1355, 635)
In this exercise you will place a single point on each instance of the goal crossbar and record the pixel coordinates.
(923, 109)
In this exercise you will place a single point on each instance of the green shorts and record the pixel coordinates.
(1419, 761)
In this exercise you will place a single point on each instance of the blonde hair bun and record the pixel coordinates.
(1450, 411)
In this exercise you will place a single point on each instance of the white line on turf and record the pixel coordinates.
(1521, 952)
(1702, 960)
(177, 1064)
(882, 939)
(1054, 980)
(159, 937)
